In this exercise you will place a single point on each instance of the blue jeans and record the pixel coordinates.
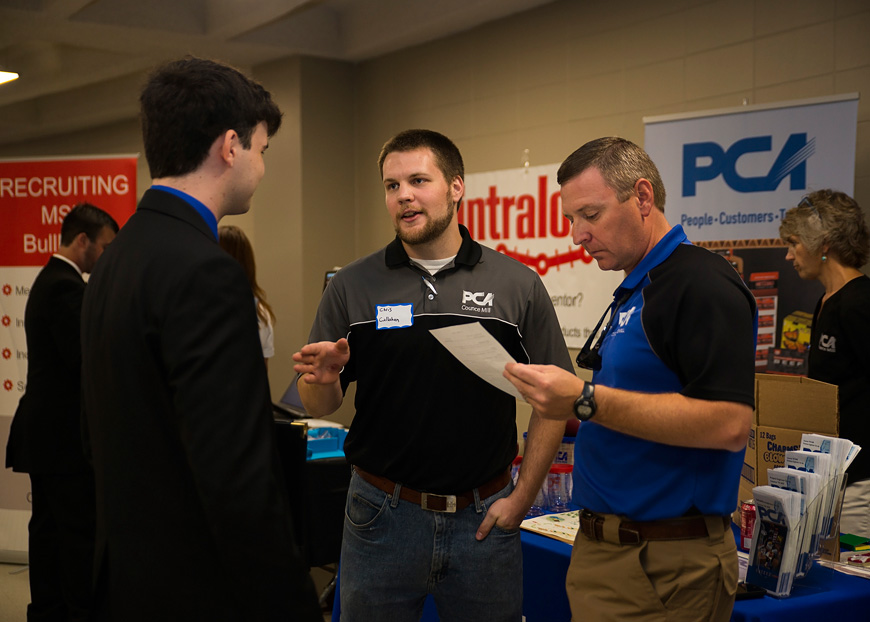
(394, 553)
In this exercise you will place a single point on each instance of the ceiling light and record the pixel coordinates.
(7, 76)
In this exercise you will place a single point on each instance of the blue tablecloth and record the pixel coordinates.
(545, 564)
(825, 593)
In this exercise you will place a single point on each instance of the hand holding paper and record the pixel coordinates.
(549, 389)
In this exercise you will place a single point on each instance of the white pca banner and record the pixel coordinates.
(518, 212)
(731, 174)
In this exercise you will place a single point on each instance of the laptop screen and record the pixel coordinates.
(328, 276)
(292, 401)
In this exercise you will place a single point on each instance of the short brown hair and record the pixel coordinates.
(447, 155)
(620, 162)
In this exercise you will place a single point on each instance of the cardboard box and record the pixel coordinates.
(771, 444)
(749, 475)
(785, 408)
(765, 450)
(796, 403)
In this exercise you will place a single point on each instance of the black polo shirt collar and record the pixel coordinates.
(469, 252)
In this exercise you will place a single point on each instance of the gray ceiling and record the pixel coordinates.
(81, 61)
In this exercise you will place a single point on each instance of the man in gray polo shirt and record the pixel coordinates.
(431, 508)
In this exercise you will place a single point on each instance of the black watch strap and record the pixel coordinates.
(585, 406)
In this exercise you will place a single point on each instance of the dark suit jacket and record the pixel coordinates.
(46, 436)
(192, 514)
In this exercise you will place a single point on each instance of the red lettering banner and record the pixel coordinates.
(35, 195)
(518, 212)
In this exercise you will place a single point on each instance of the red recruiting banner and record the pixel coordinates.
(35, 196)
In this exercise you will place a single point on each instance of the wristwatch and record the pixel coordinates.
(585, 406)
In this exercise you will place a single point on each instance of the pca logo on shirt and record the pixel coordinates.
(625, 316)
(828, 343)
(482, 301)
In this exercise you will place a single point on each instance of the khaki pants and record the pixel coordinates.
(661, 581)
(855, 516)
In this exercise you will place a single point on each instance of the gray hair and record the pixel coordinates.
(832, 218)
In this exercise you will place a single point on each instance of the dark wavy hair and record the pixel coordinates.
(188, 103)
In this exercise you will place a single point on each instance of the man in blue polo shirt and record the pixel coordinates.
(665, 419)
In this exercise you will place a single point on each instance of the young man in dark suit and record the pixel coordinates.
(193, 521)
(45, 439)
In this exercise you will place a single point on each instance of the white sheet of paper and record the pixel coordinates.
(478, 351)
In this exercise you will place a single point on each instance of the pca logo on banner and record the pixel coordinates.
(706, 161)
(732, 174)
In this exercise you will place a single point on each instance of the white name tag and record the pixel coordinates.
(395, 316)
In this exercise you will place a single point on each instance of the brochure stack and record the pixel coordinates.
(796, 509)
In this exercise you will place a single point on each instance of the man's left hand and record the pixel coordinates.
(505, 513)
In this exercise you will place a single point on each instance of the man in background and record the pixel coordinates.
(45, 439)
(665, 420)
(431, 507)
(193, 521)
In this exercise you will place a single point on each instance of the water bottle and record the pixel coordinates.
(559, 488)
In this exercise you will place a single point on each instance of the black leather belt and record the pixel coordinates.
(635, 532)
(433, 502)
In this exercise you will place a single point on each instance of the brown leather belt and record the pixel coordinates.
(633, 532)
(433, 502)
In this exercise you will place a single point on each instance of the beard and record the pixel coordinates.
(432, 230)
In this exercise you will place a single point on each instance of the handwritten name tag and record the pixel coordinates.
(395, 316)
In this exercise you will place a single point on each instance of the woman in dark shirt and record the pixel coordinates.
(828, 241)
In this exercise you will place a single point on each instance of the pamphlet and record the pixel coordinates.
(774, 552)
(808, 486)
(562, 526)
(796, 510)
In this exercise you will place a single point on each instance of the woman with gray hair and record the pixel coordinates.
(828, 241)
